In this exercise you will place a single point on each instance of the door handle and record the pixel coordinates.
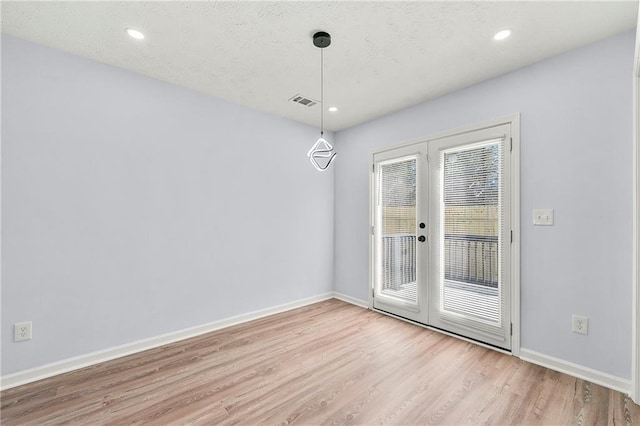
(421, 238)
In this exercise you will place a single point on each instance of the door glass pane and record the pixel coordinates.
(471, 196)
(397, 221)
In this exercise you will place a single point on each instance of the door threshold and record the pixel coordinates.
(448, 333)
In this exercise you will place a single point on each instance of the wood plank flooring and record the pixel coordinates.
(327, 363)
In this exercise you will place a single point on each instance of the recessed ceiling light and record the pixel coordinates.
(333, 109)
(501, 35)
(134, 33)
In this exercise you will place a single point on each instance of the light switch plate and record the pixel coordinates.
(543, 217)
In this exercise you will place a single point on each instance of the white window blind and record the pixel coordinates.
(397, 228)
(472, 239)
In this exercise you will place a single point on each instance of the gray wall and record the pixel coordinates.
(576, 142)
(133, 208)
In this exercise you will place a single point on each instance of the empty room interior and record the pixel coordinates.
(256, 212)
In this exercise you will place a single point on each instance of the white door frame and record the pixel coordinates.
(514, 121)
(635, 367)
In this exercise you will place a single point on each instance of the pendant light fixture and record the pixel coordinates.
(322, 150)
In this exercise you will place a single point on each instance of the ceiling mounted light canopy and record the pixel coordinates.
(321, 153)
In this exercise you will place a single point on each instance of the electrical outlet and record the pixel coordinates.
(21, 331)
(580, 324)
(543, 217)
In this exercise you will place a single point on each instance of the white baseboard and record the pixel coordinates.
(352, 300)
(576, 370)
(86, 360)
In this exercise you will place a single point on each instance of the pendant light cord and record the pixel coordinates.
(322, 92)
(322, 150)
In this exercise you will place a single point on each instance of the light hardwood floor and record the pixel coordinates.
(327, 363)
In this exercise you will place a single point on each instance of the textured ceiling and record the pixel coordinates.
(385, 56)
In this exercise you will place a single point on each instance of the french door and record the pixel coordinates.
(400, 234)
(442, 233)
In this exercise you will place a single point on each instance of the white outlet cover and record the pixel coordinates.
(543, 217)
(22, 331)
(580, 324)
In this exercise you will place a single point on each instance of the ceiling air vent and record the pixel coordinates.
(299, 99)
